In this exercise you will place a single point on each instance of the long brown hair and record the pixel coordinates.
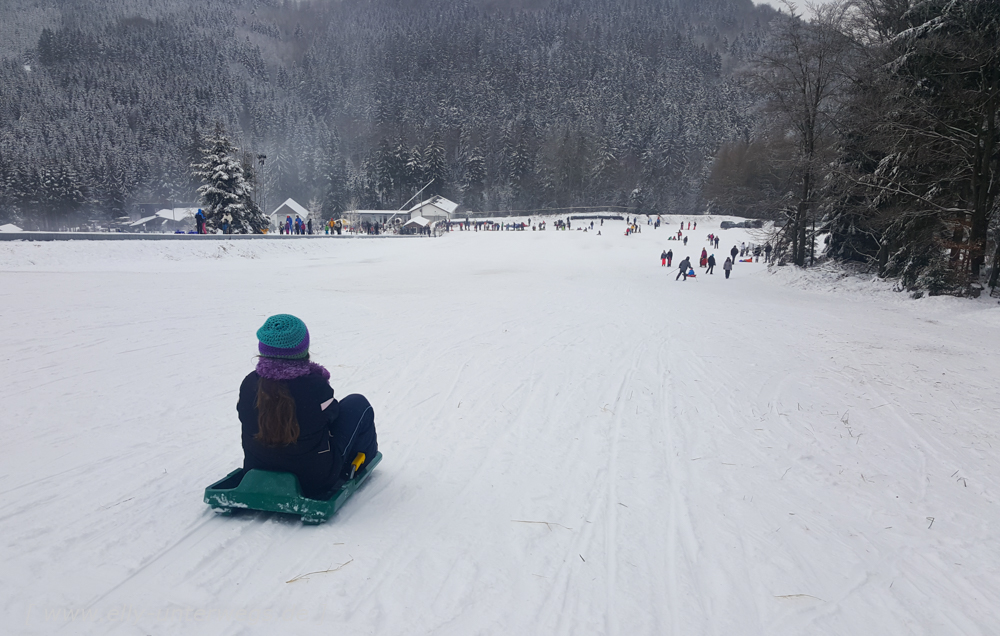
(276, 421)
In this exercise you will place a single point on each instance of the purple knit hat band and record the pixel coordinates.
(298, 351)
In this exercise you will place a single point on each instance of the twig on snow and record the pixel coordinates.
(548, 524)
(798, 596)
(303, 576)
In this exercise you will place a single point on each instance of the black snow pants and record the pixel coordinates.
(354, 430)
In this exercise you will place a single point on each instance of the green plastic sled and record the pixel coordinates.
(279, 492)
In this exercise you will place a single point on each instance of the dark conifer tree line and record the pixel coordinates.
(883, 141)
(359, 103)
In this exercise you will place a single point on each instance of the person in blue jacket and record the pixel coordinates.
(291, 421)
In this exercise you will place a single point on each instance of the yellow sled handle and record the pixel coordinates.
(356, 464)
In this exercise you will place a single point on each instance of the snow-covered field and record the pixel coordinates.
(574, 442)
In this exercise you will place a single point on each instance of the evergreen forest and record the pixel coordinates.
(356, 104)
(868, 130)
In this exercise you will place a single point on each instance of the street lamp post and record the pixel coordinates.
(263, 181)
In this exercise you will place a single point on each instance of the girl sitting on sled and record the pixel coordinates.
(291, 421)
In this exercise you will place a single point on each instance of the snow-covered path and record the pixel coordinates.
(574, 443)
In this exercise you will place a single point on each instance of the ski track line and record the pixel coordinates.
(382, 575)
(611, 502)
(568, 612)
(198, 526)
(682, 544)
(674, 477)
(662, 599)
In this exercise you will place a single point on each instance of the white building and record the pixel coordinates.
(289, 208)
(375, 216)
(436, 208)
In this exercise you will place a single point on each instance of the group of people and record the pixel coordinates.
(706, 262)
(297, 227)
(200, 221)
(684, 268)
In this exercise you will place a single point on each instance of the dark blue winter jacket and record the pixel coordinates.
(314, 458)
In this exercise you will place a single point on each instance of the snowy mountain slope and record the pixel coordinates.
(574, 443)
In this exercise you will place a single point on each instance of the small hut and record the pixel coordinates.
(291, 208)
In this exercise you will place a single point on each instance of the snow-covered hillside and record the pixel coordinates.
(574, 442)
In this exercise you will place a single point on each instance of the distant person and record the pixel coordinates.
(711, 263)
(683, 268)
(663, 258)
(199, 220)
(685, 240)
(767, 252)
(716, 242)
(728, 266)
(309, 225)
(670, 257)
(734, 252)
(704, 258)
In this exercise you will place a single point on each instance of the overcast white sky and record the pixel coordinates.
(800, 4)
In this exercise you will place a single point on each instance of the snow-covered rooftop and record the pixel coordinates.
(439, 202)
(148, 219)
(417, 221)
(177, 214)
(293, 205)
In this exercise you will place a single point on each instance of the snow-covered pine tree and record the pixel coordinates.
(434, 165)
(226, 188)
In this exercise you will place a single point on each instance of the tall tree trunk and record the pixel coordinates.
(995, 274)
(801, 219)
(984, 177)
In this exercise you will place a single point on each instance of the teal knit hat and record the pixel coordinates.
(283, 336)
